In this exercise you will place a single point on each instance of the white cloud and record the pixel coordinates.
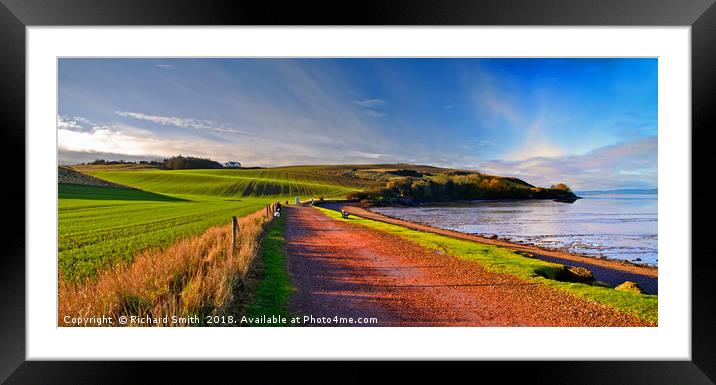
(68, 123)
(371, 107)
(370, 103)
(133, 143)
(200, 124)
(128, 142)
(168, 120)
(624, 165)
(165, 66)
(113, 140)
(370, 155)
(77, 123)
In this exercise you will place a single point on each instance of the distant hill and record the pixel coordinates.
(66, 175)
(85, 168)
(626, 191)
(390, 171)
(401, 182)
(283, 183)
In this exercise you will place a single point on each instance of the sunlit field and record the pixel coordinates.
(100, 227)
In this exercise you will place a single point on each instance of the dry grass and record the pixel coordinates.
(193, 277)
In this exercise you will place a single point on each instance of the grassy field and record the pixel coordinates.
(193, 277)
(501, 260)
(100, 227)
(276, 183)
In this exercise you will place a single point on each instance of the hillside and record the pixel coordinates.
(66, 175)
(116, 167)
(419, 183)
(232, 183)
(369, 172)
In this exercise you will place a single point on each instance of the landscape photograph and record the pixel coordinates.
(357, 192)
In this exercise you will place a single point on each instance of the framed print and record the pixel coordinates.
(478, 182)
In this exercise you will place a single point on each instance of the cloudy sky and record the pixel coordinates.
(590, 123)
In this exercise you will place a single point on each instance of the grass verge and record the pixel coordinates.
(505, 261)
(274, 290)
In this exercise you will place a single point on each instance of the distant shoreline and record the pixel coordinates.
(466, 201)
(632, 191)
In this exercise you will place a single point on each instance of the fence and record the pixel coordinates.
(235, 229)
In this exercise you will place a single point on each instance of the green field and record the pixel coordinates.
(100, 227)
(278, 183)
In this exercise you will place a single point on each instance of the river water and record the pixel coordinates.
(612, 226)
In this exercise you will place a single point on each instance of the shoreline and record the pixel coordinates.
(368, 207)
(610, 271)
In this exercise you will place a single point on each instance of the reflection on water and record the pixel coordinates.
(612, 226)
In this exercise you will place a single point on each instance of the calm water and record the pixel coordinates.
(612, 226)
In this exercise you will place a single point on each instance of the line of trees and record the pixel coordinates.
(174, 163)
(450, 187)
(121, 161)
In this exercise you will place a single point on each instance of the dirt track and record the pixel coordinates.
(347, 270)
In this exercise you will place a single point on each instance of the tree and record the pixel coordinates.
(561, 186)
(183, 163)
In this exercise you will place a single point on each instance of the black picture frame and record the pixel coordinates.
(15, 15)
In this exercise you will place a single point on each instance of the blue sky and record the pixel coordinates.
(590, 123)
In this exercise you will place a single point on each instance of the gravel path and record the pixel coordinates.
(348, 270)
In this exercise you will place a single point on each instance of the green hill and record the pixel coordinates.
(421, 183)
(232, 183)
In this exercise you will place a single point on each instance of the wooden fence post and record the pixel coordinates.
(234, 232)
